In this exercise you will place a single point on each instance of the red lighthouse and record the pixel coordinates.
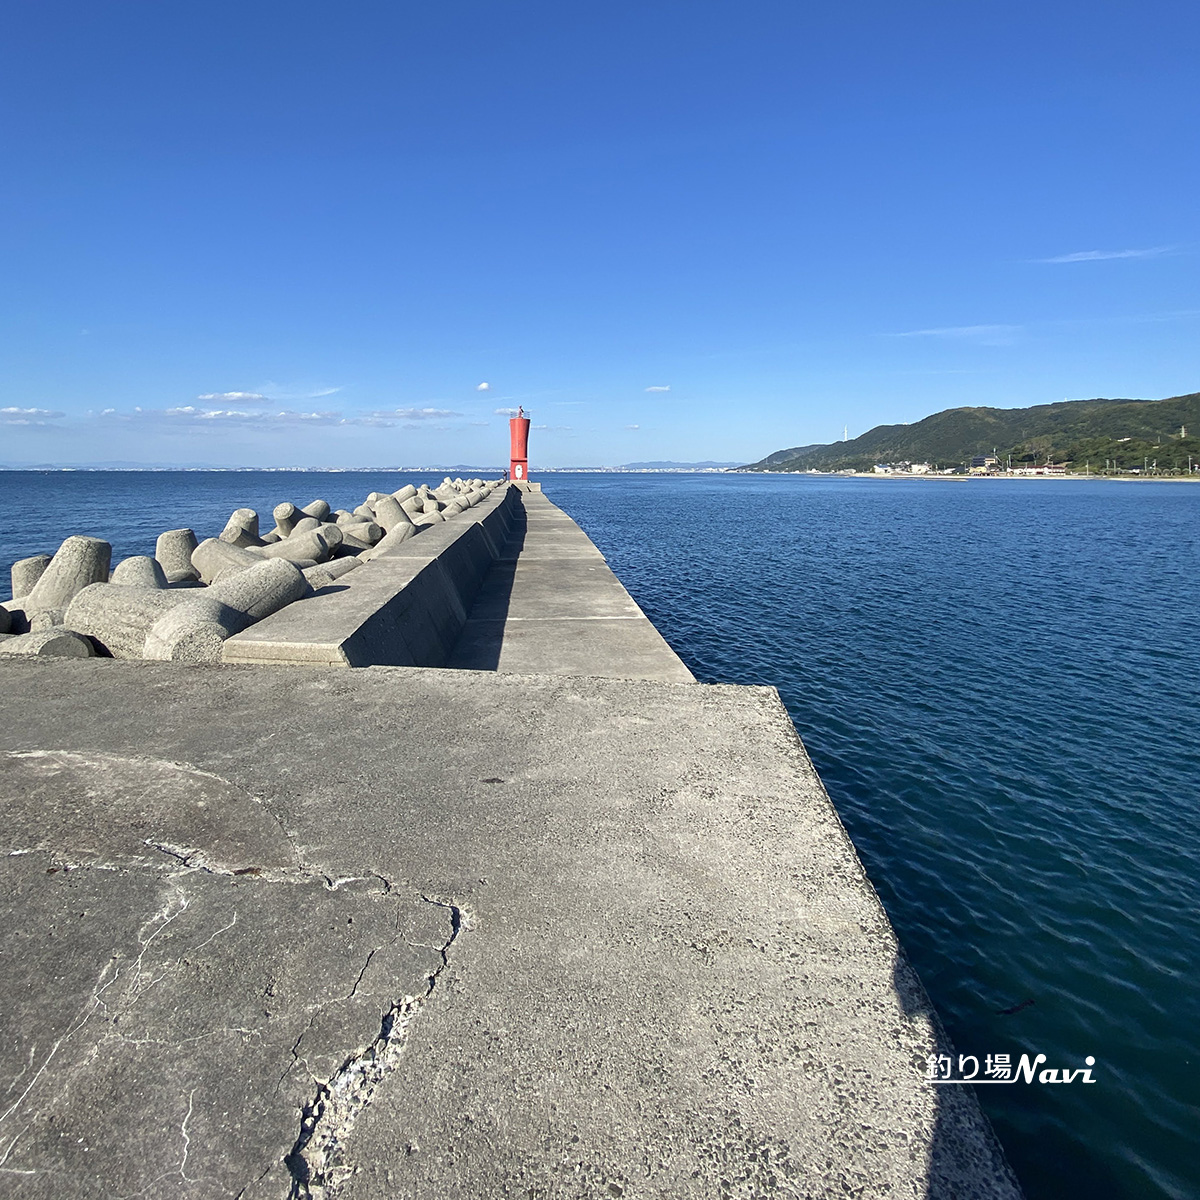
(518, 427)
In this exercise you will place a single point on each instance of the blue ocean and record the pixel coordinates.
(999, 682)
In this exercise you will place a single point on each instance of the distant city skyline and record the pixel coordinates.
(258, 236)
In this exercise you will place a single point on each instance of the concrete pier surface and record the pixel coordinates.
(410, 932)
(551, 605)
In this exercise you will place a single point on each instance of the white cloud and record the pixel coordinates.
(633, 427)
(1101, 255)
(483, 387)
(232, 397)
(190, 414)
(28, 416)
(667, 388)
(505, 412)
(987, 335)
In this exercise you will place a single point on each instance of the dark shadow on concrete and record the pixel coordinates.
(965, 1156)
(478, 646)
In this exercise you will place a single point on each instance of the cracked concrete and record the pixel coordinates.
(409, 933)
(318, 1161)
(189, 998)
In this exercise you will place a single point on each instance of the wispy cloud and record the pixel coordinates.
(190, 414)
(986, 335)
(483, 387)
(418, 414)
(1101, 255)
(663, 388)
(233, 397)
(28, 416)
(505, 412)
(553, 428)
(633, 427)
(270, 390)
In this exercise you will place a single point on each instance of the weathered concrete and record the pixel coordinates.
(305, 544)
(26, 572)
(52, 642)
(242, 529)
(78, 562)
(213, 557)
(551, 605)
(174, 550)
(592, 938)
(118, 617)
(318, 509)
(404, 607)
(324, 574)
(389, 515)
(139, 571)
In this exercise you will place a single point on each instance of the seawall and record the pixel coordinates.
(282, 928)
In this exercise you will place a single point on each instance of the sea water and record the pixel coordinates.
(998, 683)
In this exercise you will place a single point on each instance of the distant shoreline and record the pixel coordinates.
(1194, 478)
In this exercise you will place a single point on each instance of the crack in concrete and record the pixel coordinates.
(315, 1160)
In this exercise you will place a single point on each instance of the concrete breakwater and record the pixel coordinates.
(560, 922)
(186, 601)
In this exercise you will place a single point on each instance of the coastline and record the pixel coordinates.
(987, 478)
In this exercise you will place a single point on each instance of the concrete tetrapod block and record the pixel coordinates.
(139, 571)
(5, 621)
(213, 556)
(389, 514)
(318, 509)
(26, 572)
(195, 631)
(286, 515)
(117, 617)
(429, 518)
(242, 528)
(79, 562)
(48, 643)
(412, 505)
(365, 512)
(309, 546)
(391, 541)
(174, 550)
(352, 545)
(405, 493)
(304, 525)
(365, 531)
(323, 574)
(46, 618)
(261, 590)
(332, 534)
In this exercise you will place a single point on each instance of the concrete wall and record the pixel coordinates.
(405, 609)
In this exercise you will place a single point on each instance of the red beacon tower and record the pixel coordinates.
(518, 428)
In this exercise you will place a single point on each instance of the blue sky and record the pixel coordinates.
(307, 234)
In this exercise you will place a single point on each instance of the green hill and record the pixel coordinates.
(1074, 432)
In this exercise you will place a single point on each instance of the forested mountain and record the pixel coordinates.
(1073, 432)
